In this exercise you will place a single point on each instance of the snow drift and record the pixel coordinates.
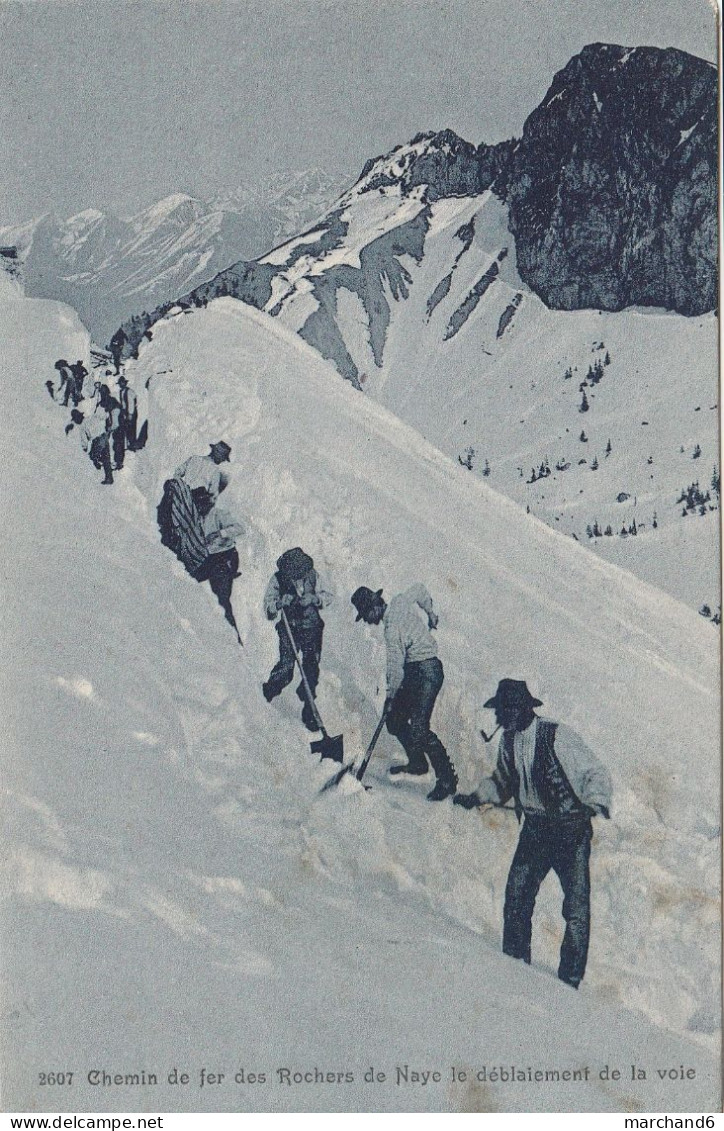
(188, 896)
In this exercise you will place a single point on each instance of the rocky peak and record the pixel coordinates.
(612, 189)
(446, 164)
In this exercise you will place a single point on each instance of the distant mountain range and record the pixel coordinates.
(109, 268)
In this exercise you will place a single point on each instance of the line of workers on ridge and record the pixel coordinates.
(544, 772)
(108, 422)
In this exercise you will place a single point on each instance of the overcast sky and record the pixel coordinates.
(112, 104)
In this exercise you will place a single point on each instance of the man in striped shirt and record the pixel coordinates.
(414, 678)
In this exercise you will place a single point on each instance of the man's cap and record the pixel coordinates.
(60, 363)
(122, 381)
(513, 693)
(294, 564)
(365, 599)
(222, 449)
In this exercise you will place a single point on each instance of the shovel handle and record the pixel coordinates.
(368, 754)
(305, 681)
(350, 767)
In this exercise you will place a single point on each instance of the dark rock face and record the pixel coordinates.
(612, 188)
(612, 197)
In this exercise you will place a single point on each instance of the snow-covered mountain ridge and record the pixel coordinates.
(162, 817)
(420, 286)
(611, 189)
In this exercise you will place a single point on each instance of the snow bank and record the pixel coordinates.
(188, 897)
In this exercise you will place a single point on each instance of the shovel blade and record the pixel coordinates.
(330, 746)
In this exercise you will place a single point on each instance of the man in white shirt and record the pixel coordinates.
(205, 471)
(558, 785)
(95, 440)
(414, 678)
(221, 568)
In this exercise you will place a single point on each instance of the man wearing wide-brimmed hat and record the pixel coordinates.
(205, 471)
(558, 784)
(414, 678)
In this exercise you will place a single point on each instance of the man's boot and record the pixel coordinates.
(411, 769)
(445, 787)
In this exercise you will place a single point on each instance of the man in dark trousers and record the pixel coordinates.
(118, 341)
(66, 382)
(129, 413)
(94, 438)
(414, 678)
(558, 785)
(112, 408)
(221, 568)
(293, 588)
(80, 373)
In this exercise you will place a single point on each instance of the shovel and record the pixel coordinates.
(328, 746)
(365, 761)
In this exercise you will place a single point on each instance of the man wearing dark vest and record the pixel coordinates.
(557, 784)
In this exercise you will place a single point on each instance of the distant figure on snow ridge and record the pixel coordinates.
(179, 521)
(221, 568)
(293, 588)
(66, 385)
(80, 373)
(117, 343)
(129, 414)
(414, 678)
(95, 440)
(558, 784)
(108, 404)
(76, 419)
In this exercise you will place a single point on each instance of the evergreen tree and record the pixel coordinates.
(594, 463)
(583, 438)
(608, 448)
(583, 407)
(696, 453)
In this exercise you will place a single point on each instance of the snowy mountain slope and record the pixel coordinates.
(107, 268)
(413, 286)
(173, 867)
(421, 305)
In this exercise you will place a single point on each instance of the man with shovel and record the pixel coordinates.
(293, 591)
(414, 678)
(559, 785)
